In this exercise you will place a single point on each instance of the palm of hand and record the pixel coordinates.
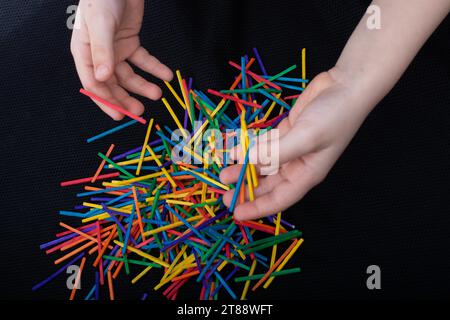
(306, 153)
(103, 47)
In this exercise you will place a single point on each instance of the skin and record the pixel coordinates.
(327, 114)
(103, 48)
(333, 107)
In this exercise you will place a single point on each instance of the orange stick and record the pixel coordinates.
(242, 192)
(105, 246)
(102, 164)
(74, 252)
(268, 273)
(67, 245)
(84, 235)
(186, 275)
(110, 285)
(77, 280)
(99, 244)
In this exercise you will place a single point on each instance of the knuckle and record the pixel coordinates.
(140, 83)
(313, 139)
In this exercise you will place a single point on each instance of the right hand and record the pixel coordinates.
(105, 42)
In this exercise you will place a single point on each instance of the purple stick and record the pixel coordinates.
(54, 275)
(261, 65)
(185, 118)
(62, 239)
(124, 155)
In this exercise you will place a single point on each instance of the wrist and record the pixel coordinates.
(358, 99)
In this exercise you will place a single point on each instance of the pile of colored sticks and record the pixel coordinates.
(143, 212)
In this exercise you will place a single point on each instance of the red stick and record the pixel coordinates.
(228, 97)
(256, 77)
(85, 180)
(295, 96)
(113, 106)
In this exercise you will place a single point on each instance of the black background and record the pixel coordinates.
(384, 203)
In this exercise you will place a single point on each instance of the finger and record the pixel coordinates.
(129, 80)
(303, 138)
(102, 28)
(280, 198)
(265, 185)
(125, 100)
(298, 141)
(230, 174)
(83, 63)
(144, 60)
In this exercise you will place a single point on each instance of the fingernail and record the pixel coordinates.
(101, 72)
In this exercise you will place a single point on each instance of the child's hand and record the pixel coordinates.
(332, 108)
(318, 129)
(107, 38)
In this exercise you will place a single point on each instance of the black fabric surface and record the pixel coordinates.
(384, 203)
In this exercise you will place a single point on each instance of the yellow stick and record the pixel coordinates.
(133, 161)
(220, 185)
(140, 275)
(277, 232)
(182, 203)
(148, 176)
(174, 116)
(267, 114)
(171, 226)
(143, 254)
(173, 195)
(175, 94)
(126, 209)
(210, 211)
(247, 283)
(249, 184)
(147, 136)
(281, 266)
(304, 66)
(167, 280)
(174, 262)
(203, 126)
(172, 182)
(185, 264)
(180, 83)
(184, 93)
(245, 146)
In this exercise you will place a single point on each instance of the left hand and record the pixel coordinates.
(318, 129)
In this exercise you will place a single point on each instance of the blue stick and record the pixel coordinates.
(110, 131)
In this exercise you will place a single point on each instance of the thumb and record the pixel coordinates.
(102, 30)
